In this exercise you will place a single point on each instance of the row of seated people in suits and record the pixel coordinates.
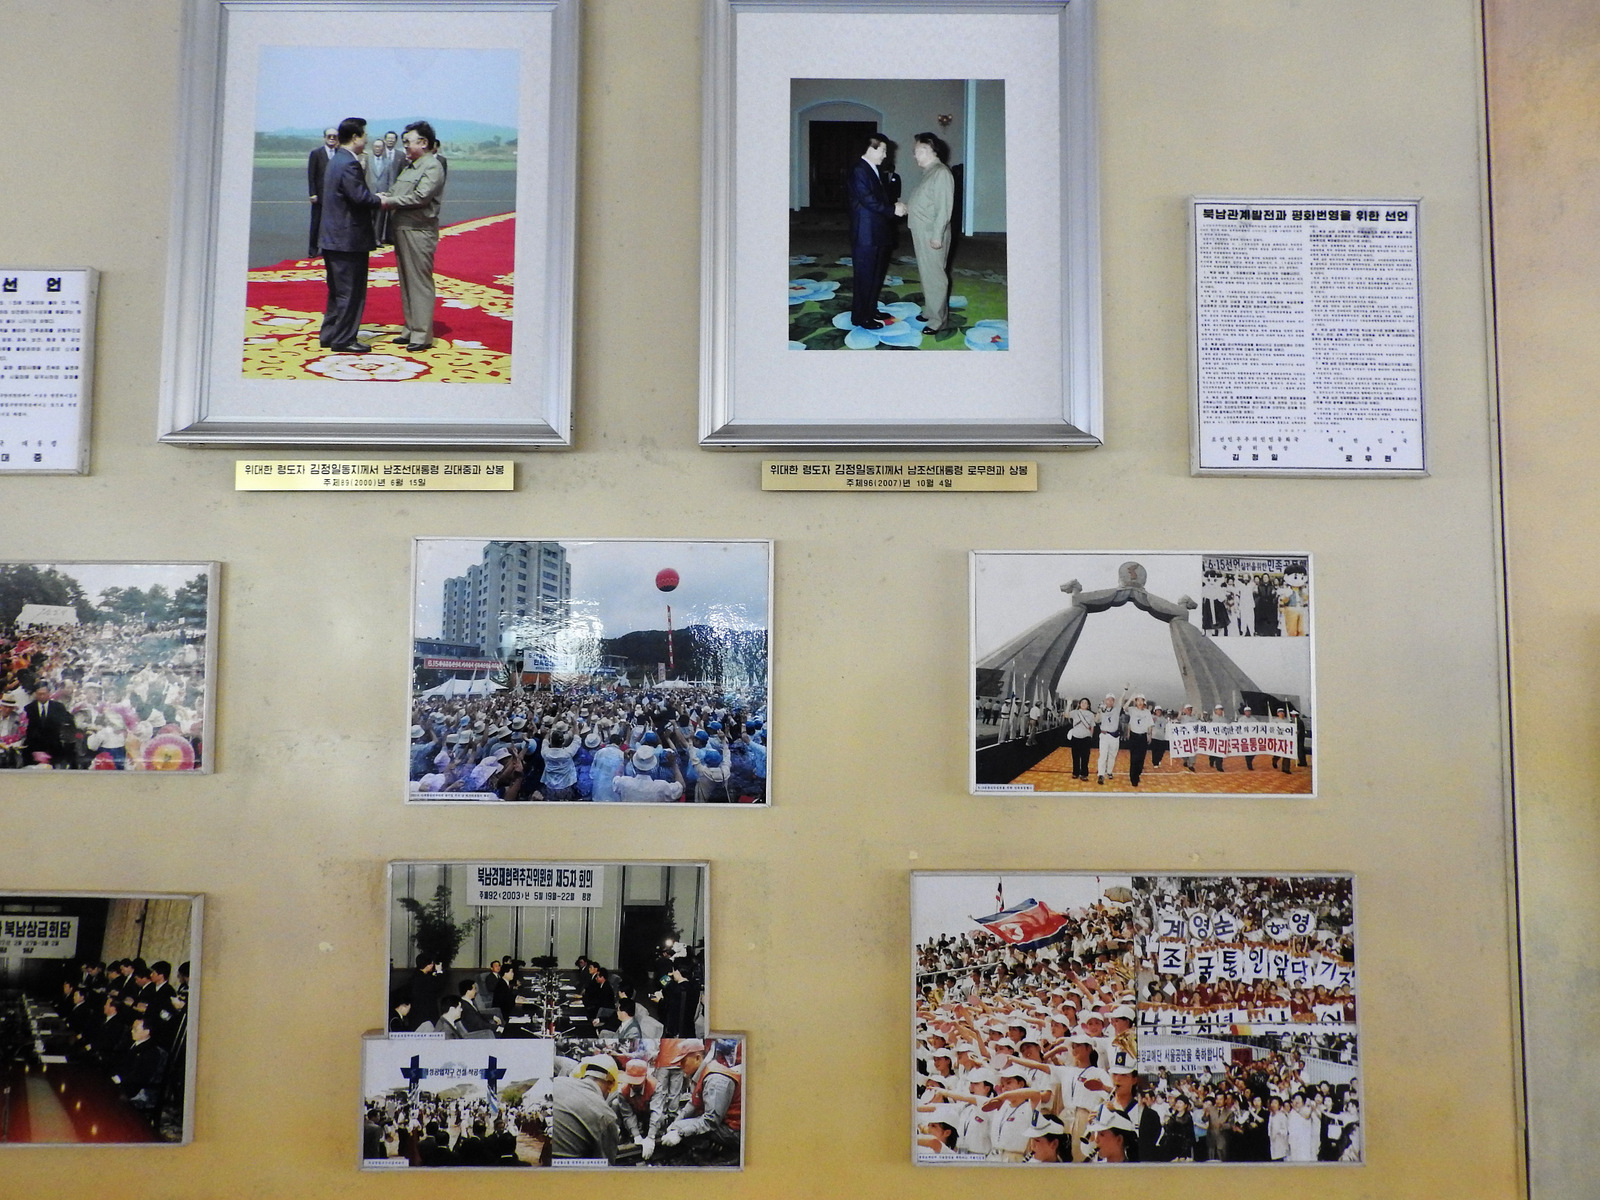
(130, 1019)
(482, 1005)
(421, 1002)
(669, 1006)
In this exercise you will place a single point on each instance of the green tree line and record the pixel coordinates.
(27, 583)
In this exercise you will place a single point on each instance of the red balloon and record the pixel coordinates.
(666, 579)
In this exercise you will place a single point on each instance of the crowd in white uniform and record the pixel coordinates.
(1032, 1056)
(1029, 1056)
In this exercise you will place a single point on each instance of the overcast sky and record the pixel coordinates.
(1013, 592)
(947, 903)
(723, 584)
(312, 87)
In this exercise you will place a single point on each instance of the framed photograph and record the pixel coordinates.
(660, 1103)
(1305, 336)
(1067, 1017)
(107, 666)
(1126, 673)
(372, 231)
(548, 949)
(102, 992)
(611, 671)
(859, 156)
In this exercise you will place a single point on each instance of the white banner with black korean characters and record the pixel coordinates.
(38, 937)
(553, 885)
(1185, 1056)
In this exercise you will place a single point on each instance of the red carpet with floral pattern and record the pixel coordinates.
(472, 315)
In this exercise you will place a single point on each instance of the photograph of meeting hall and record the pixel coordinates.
(95, 1000)
(497, 949)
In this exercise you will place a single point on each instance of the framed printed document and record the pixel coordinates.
(920, 177)
(407, 285)
(1306, 336)
(46, 369)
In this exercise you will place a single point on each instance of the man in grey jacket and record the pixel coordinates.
(928, 212)
(413, 205)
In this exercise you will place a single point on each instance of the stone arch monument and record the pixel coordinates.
(1030, 665)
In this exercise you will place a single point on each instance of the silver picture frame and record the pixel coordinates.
(168, 1106)
(1049, 392)
(204, 399)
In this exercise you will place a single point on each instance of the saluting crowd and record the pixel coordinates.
(1029, 1055)
(597, 744)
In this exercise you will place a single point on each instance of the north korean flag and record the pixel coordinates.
(1027, 926)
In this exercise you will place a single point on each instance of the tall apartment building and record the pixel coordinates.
(514, 580)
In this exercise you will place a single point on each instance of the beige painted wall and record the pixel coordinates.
(289, 838)
(1544, 113)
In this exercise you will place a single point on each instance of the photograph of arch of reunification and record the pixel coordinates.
(1128, 673)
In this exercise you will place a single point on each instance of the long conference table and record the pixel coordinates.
(46, 1098)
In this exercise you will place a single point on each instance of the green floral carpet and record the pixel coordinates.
(819, 309)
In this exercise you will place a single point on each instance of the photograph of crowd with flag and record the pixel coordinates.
(644, 1103)
(1124, 673)
(105, 666)
(1079, 1018)
(96, 996)
(597, 671)
(469, 100)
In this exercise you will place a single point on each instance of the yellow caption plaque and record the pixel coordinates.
(373, 475)
(897, 475)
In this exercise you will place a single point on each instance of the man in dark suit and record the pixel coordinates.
(51, 731)
(316, 168)
(872, 213)
(139, 1068)
(346, 239)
